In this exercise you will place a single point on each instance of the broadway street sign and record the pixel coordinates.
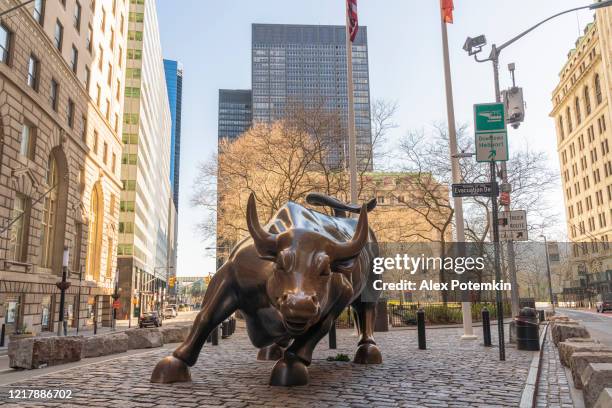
(475, 190)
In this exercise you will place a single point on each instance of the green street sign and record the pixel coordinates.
(489, 117)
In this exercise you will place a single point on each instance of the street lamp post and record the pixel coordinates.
(550, 291)
(63, 286)
(115, 297)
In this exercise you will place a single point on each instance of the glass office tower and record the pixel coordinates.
(307, 64)
(174, 86)
(235, 113)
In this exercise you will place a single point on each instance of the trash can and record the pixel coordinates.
(527, 330)
(541, 315)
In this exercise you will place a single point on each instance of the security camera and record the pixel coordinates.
(474, 45)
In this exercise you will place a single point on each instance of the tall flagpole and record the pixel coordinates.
(466, 307)
(352, 162)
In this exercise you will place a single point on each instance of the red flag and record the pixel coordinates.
(351, 12)
(447, 11)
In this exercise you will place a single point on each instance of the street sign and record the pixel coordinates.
(491, 146)
(489, 117)
(475, 190)
(512, 225)
(504, 198)
(490, 131)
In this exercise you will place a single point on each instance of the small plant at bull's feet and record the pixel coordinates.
(339, 357)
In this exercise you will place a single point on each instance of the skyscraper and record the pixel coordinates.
(144, 261)
(306, 64)
(235, 112)
(581, 110)
(174, 86)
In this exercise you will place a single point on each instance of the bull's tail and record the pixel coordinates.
(340, 208)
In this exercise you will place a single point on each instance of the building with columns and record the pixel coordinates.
(61, 74)
(582, 114)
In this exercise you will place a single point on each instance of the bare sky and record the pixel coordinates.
(212, 38)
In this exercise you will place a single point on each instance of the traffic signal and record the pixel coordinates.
(172, 280)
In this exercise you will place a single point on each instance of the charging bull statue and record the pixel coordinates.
(290, 280)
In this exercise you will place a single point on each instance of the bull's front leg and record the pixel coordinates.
(292, 369)
(219, 303)
(367, 350)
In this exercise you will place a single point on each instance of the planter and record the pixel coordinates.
(16, 337)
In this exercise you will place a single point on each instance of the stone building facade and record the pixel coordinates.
(60, 152)
(582, 114)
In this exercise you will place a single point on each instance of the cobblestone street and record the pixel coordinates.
(450, 373)
(554, 389)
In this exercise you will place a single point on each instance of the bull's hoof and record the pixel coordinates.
(288, 373)
(170, 370)
(270, 353)
(368, 354)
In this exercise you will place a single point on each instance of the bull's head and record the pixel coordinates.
(304, 263)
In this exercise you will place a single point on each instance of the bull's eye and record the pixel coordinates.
(325, 271)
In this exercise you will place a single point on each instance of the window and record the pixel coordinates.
(107, 110)
(598, 97)
(132, 73)
(109, 75)
(134, 54)
(118, 93)
(116, 125)
(135, 17)
(587, 100)
(98, 95)
(89, 40)
(59, 35)
(74, 59)
(26, 147)
(84, 128)
(122, 23)
(39, 11)
(114, 165)
(100, 57)
(134, 35)
(105, 153)
(77, 16)
(76, 260)
(5, 43)
(568, 116)
(87, 78)
(129, 185)
(33, 69)
(130, 118)
(132, 92)
(48, 215)
(578, 115)
(112, 39)
(18, 239)
(103, 21)
(70, 113)
(95, 142)
(95, 233)
(54, 94)
(561, 129)
(120, 57)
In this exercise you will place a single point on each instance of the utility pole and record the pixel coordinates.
(466, 306)
(352, 140)
(550, 291)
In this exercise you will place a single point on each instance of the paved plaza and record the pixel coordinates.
(449, 373)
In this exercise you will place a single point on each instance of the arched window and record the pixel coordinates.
(568, 117)
(598, 97)
(49, 215)
(94, 244)
(587, 100)
(578, 114)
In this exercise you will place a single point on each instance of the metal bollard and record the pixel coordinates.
(486, 327)
(225, 329)
(332, 336)
(2, 335)
(215, 336)
(421, 329)
(232, 325)
(541, 315)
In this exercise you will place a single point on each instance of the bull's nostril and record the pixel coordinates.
(285, 297)
(314, 299)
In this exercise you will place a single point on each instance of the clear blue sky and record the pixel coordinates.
(213, 41)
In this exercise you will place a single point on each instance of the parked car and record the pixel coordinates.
(169, 313)
(604, 303)
(150, 319)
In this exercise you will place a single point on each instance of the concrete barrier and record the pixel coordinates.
(563, 331)
(37, 352)
(580, 359)
(596, 377)
(605, 399)
(143, 338)
(567, 348)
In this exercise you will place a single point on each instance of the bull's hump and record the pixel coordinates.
(293, 215)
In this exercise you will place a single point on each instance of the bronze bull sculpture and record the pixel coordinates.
(290, 280)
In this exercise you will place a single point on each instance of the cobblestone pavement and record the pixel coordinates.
(554, 388)
(450, 372)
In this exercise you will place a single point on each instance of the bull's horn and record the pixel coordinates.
(265, 242)
(346, 250)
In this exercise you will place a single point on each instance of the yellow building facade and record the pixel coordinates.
(582, 115)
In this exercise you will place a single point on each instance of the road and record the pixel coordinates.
(598, 324)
